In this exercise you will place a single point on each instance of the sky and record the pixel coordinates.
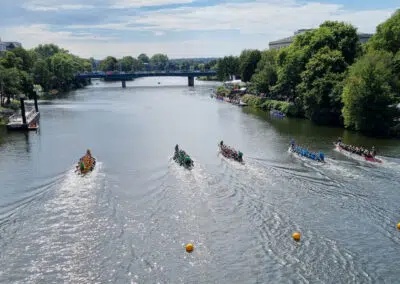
(178, 28)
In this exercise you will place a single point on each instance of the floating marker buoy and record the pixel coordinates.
(398, 226)
(296, 236)
(189, 247)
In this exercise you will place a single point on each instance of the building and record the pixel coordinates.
(8, 45)
(285, 42)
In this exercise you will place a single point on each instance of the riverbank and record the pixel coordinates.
(290, 109)
(7, 111)
(207, 78)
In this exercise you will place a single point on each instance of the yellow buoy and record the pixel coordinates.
(296, 236)
(189, 247)
(398, 226)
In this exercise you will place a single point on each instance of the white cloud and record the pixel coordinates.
(267, 17)
(262, 17)
(33, 35)
(122, 4)
(39, 6)
(258, 22)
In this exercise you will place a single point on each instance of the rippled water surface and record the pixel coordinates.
(128, 221)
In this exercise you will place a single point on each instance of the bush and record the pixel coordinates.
(285, 107)
(253, 101)
(395, 130)
(221, 90)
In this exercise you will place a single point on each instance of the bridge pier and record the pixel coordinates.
(190, 81)
(123, 84)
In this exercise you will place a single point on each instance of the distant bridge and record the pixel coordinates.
(123, 77)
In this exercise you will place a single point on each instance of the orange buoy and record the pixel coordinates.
(296, 236)
(189, 247)
(398, 226)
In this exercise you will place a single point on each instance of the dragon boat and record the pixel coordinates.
(303, 152)
(182, 158)
(355, 151)
(230, 153)
(86, 164)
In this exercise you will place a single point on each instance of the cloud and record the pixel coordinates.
(189, 29)
(54, 5)
(122, 4)
(41, 34)
(261, 17)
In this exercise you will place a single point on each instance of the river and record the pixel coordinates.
(129, 220)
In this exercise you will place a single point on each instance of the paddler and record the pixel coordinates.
(373, 152)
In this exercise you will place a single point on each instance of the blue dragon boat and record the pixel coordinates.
(303, 152)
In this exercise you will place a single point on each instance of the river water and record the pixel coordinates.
(129, 220)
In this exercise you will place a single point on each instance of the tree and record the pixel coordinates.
(159, 61)
(11, 82)
(42, 74)
(266, 73)
(108, 64)
(126, 63)
(143, 58)
(48, 50)
(387, 36)
(10, 60)
(26, 84)
(368, 94)
(25, 57)
(321, 86)
(227, 67)
(248, 63)
(292, 61)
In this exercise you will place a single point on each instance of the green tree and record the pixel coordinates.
(108, 64)
(248, 63)
(25, 57)
(227, 67)
(368, 94)
(387, 36)
(292, 61)
(26, 84)
(126, 63)
(266, 75)
(42, 74)
(321, 86)
(143, 58)
(10, 60)
(48, 50)
(159, 61)
(10, 78)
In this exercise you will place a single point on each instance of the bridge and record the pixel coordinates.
(123, 77)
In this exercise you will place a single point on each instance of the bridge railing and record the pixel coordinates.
(100, 73)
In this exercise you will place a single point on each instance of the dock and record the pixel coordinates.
(26, 119)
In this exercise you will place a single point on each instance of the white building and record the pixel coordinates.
(285, 42)
(8, 45)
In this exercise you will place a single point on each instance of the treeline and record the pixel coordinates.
(329, 77)
(47, 65)
(157, 62)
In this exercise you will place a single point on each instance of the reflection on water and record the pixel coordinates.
(128, 221)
